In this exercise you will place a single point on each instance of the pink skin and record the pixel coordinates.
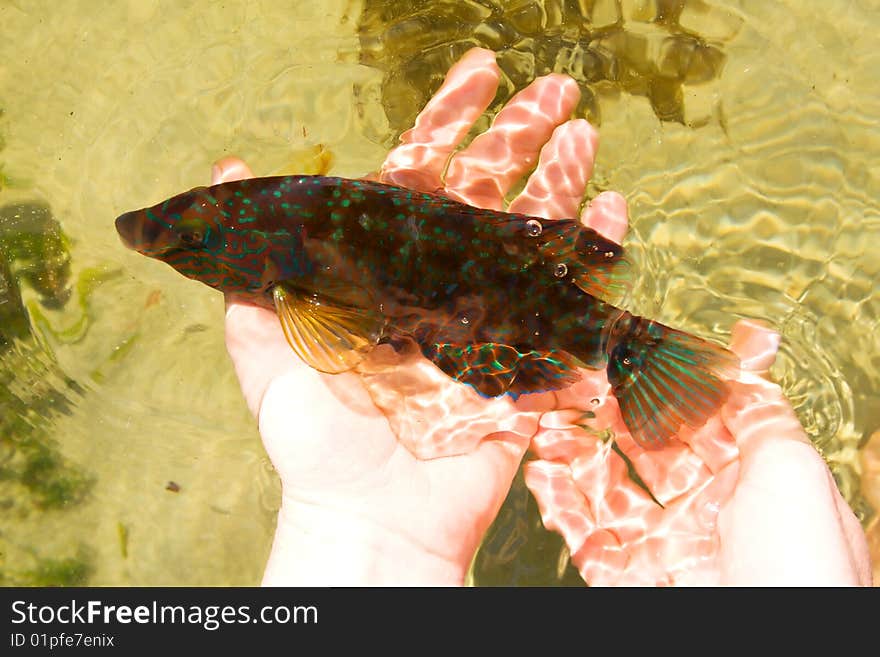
(367, 501)
(871, 490)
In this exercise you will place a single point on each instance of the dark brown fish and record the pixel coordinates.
(506, 303)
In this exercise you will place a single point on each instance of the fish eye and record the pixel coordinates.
(193, 233)
(192, 238)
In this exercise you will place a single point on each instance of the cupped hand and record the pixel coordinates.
(391, 475)
(746, 499)
(786, 522)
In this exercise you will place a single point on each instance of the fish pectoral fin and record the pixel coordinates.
(495, 369)
(332, 332)
(594, 263)
(665, 380)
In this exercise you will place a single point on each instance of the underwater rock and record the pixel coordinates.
(34, 476)
(35, 250)
(608, 46)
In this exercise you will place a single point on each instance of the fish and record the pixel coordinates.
(507, 303)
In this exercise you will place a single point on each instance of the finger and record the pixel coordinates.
(756, 410)
(756, 345)
(757, 413)
(229, 169)
(757, 407)
(785, 489)
(556, 188)
(870, 462)
(595, 552)
(607, 215)
(482, 173)
(419, 160)
(501, 453)
(668, 473)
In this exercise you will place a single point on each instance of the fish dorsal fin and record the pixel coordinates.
(592, 262)
(332, 330)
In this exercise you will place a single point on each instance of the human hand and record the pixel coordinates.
(363, 507)
(748, 500)
(365, 498)
(785, 523)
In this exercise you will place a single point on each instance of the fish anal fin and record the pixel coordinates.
(665, 379)
(546, 371)
(495, 369)
(489, 368)
(330, 332)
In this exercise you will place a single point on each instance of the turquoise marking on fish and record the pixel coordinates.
(506, 303)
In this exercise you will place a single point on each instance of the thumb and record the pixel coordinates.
(785, 493)
(756, 345)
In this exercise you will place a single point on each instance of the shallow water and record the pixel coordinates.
(758, 199)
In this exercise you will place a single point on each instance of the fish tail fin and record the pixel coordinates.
(665, 379)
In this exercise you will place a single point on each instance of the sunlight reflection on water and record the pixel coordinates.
(761, 202)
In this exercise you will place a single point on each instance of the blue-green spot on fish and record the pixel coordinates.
(506, 303)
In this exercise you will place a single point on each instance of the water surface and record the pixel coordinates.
(753, 193)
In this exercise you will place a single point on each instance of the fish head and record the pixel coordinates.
(192, 233)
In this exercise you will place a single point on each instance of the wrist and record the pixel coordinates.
(319, 546)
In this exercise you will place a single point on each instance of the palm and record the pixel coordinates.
(617, 531)
(333, 447)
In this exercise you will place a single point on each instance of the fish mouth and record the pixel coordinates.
(135, 231)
